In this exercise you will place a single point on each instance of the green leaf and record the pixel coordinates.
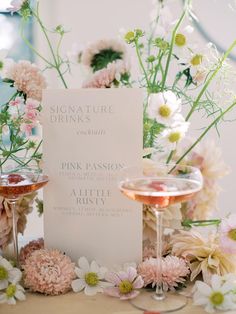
(104, 57)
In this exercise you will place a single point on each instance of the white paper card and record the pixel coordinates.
(88, 135)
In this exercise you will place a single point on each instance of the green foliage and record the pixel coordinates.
(104, 57)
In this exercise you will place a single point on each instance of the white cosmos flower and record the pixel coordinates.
(8, 273)
(163, 107)
(219, 295)
(12, 293)
(171, 136)
(90, 277)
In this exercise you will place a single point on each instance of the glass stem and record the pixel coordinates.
(159, 295)
(13, 205)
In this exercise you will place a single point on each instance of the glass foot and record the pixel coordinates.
(146, 301)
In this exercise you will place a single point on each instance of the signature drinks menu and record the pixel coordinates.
(88, 136)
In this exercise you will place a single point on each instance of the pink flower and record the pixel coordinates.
(48, 271)
(105, 78)
(228, 234)
(27, 128)
(174, 271)
(15, 6)
(28, 249)
(27, 79)
(31, 115)
(31, 104)
(16, 102)
(124, 283)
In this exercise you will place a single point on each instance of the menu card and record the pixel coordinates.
(88, 136)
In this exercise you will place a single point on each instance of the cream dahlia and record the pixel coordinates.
(49, 272)
(203, 254)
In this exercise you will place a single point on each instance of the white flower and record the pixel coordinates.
(182, 38)
(218, 295)
(8, 273)
(15, 6)
(4, 63)
(13, 292)
(163, 107)
(170, 137)
(90, 277)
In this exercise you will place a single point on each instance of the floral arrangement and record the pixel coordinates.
(180, 80)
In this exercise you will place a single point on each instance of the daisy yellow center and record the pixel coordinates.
(174, 137)
(10, 291)
(196, 60)
(180, 40)
(232, 234)
(1, 65)
(217, 298)
(125, 287)
(3, 273)
(91, 279)
(164, 111)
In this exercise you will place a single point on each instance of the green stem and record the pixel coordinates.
(31, 46)
(56, 66)
(200, 223)
(205, 132)
(211, 77)
(141, 62)
(170, 156)
(172, 45)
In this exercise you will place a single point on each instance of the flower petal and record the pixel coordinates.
(102, 272)
(84, 264)
(131, 273)
(138, 283)
(216, 282)
(3, 284)
(92, 290)
(94, 267)
(203, 288)
(78, 285)
(79, 272)
(113, 278)
(112, 291)
(130, 295)
(20, 295)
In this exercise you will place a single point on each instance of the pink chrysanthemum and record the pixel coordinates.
(125, 284)
(228, 234)
(49, 272)
(105, 78)
(27, 79)
(174, 271)
(28, 249)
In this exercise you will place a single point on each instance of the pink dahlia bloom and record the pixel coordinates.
(174, 271)
(27, 79)
(105, 78)
(228, 234)
(49, 272)
(28, 249)
(124, 284)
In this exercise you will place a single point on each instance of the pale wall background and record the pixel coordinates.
(88, 20)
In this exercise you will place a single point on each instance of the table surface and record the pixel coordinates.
(79, 303)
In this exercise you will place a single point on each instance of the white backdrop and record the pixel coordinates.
(88, 20)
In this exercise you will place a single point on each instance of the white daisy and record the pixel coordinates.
(4, 63)
(163, 107)
(173, 135)
(90, 277)
(8, 273)
(182, 38)
(218, 295)
(12, 293)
